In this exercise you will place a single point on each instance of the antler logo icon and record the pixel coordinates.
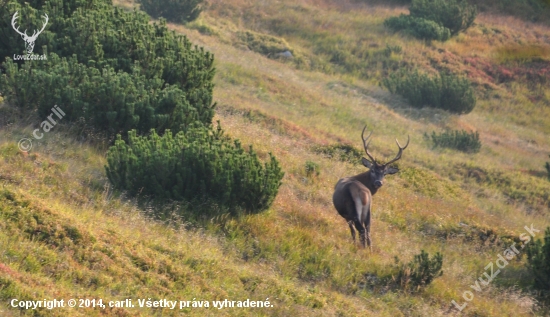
(29, 40)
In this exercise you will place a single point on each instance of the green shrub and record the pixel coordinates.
(112, 102)
(455, 15)
(196, 164)
(312, 169)
(178, 11)
(397, 49)
(445, 91)
(421, 271)
(108, 66)
(538, 258)
(342, 152)
(418, 27)
(548, 168)
(458, 140)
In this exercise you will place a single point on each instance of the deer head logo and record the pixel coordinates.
(29, 40)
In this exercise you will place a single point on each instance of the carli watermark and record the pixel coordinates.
(25, 144)
(29, 40)
(501, 262)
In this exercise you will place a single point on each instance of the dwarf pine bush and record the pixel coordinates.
(538, 258)
(107, 65)
(421, 271)
(418, 27)
(173, 10)
(196, 164)
(445, 91)
(458, 140)
(455, 15)
(434, 19)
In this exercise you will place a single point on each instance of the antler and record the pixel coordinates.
(398, 156)
(34, 35)
(366, 145)
(13, 25)
(43, 27)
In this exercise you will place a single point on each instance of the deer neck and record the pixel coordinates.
(365, 179)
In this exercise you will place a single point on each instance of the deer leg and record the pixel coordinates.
(359, 226)
(350, 224)
(367, 226)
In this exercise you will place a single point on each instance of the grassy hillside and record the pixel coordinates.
(65, 234)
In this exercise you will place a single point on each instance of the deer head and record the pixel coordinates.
(377, 170)
(29, 40)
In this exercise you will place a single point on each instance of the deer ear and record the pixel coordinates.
(391, 170)
(367, 163)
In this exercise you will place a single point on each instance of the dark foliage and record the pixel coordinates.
(418, 27)
(434, 19)
(538, 258)
(455, 15)
(173, 10)
(458, 140)
(342, 152)
(421, 271)
(194, 165)
(107, 65)
(445, 91)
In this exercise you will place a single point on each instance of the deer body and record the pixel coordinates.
(352, 196)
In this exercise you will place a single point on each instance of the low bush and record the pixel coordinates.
(341, 152)
(420, 272)
(178, 11)
(112, 102)
(193, 165)
(418, 27)
(538, 258)
(445, 91)
(312, 169)
(455, 15)
(458, 140)
(110, 67)
(434, 19)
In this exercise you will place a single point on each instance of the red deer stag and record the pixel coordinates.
(352, 196)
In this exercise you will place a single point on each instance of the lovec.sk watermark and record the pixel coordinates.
(25, 144)
(501, 262)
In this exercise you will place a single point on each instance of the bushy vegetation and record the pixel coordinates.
(547, 165)
(445, 91)
(173, 10)
(197, 164)
(312, 169)
(435, 19)
(110, 101)
(418, 27)
(460, 140)
(342, 152)
(455, 15)
(107, 65)
(538, 258)
(420, 272)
